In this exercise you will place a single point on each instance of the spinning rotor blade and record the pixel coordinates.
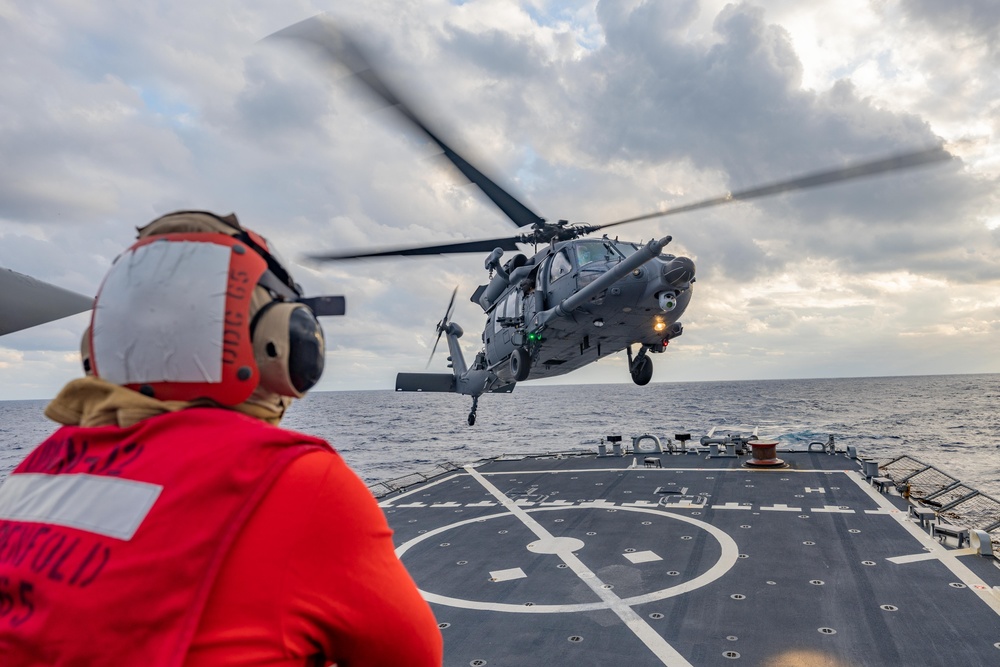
(434, 349)
(442, 324)
(451, 306)
(339, 48)
(861, 170)
(487, 245)
(27, 302)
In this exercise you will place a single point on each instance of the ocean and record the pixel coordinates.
(949, 421)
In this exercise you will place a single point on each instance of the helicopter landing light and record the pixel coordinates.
(659, 325)
(599, 322)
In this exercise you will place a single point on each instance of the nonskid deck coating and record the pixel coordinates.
(578, 560)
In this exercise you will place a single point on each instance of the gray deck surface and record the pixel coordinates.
(579, 561)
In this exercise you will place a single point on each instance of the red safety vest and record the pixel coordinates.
(111, 538)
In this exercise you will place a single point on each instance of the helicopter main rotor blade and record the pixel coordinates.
(855, 171)
(26, 302)
(487, 245)
(338, 47)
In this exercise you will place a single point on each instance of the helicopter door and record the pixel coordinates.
(511, 307)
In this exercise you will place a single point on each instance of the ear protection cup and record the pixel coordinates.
(85, 352)
(289, 348)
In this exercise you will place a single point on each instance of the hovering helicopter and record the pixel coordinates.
(577, 299)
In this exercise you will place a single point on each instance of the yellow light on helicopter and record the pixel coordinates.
(659, 325)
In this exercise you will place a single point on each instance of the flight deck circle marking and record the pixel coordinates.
(556, 545)
(727, 559)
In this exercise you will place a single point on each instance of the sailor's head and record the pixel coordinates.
(202, 308)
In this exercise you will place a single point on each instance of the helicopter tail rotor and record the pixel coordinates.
(442, 326)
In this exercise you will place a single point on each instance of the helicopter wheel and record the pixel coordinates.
(472, 413)
(520, 364)
(642, 373)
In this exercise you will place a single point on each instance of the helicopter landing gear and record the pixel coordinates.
(520, 364)
(641, 368)
(472, 415)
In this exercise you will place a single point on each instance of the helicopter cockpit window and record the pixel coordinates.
(625, 249)
(592, 251)
(560, 266)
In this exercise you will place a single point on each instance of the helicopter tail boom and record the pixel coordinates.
(437, 382)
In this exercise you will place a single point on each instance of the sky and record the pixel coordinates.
(113, 113)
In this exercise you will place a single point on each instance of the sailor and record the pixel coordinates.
(170, 521)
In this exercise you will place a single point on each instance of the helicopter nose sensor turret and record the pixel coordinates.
(676, 274)
(679, 272)
(668, 301)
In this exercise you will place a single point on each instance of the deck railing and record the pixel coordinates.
(382, 489)
(953, 500)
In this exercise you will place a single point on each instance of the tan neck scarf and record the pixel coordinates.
(91, 401)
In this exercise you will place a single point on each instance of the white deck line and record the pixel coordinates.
(947, 556)
(658, 471)
(422, 486)
(666, 653)
(924, 555)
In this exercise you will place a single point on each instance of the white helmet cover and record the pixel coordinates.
(171, 319)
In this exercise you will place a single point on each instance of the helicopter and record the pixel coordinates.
(577, 298)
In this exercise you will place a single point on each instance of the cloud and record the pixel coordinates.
(114, 113)
(978, 18)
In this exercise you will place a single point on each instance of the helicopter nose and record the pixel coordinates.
(679, 272)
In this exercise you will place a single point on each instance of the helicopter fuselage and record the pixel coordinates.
(547, 306)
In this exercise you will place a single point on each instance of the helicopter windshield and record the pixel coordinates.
(624, 248)
(593, 251)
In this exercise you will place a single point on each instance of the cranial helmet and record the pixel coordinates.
(200, 307)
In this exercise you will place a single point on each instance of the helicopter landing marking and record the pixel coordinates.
(781, 507)
(833, 509)
(507, 575)
(727, 558)
(732, 506)
(642, 557)
(655, 642)
(622, 607)
(556, 545)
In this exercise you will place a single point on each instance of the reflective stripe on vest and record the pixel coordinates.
(103, 505)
